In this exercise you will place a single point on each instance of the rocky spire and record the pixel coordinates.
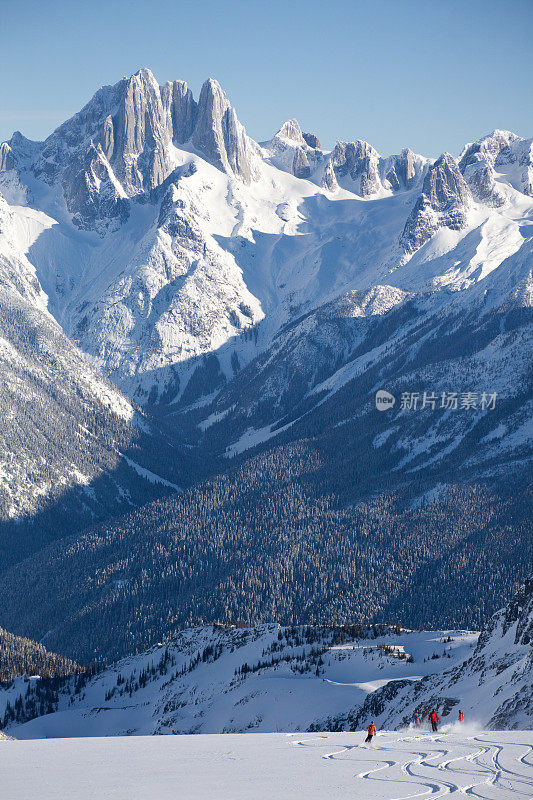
(219, 135)
(356, 166)
(443, 203)
(7, 157)
(293, 151)
(291, 130)
(403, 170)
(181, 108)
(135, 139)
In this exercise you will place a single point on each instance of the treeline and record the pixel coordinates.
(300, 648)
(20, 656)
(42, 696)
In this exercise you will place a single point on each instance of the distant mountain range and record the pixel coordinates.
(183, 308)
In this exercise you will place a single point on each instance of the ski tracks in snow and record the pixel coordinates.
(435, 766)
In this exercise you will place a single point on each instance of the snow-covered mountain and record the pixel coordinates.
(270, 678)
(214, 305)
(70, 440)
(163, 233)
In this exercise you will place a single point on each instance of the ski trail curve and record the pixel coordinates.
(433, 767)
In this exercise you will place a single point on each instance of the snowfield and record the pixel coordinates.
(496, 765)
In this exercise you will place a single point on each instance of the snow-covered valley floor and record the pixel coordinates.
(276, 766)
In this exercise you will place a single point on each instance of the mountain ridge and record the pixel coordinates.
(105, 164)
(244, 302)
(227, 679)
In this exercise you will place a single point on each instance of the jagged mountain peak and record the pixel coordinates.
(355, 166)
(130, 127)
(443, 203)
(500, 152)
(291, 130)
(219, 135)
(113, 162)
(290, 150)
(490, 143)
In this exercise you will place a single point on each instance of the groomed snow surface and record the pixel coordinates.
(276, 766)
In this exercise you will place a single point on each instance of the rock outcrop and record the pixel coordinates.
(119, 145)
(500, 152)
(7, 157)
(443, 203)
(403, 170)
(293, 151)
(356, 167)
(312, 140)
(181, 108)
(219, 135)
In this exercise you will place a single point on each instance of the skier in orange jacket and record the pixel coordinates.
(461, 716)
(371, 732)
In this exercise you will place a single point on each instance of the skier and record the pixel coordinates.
(434, 718)
(371, 732)
(416, 720)
(461, 716)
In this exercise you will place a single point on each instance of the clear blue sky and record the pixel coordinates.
(430, 74)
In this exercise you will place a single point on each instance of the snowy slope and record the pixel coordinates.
(266, 766)
(323, 370)
(162, 234)
(493, 687)
(219, 680)
(65, 427)
(268, 678)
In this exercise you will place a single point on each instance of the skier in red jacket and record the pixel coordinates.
(371, 732)
(434, 719)
(461, 716)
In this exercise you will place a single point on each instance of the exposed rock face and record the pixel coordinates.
(300, 165)
(403, 170)
(291, 130)
(17, 150)
(524, 157)
(477, 166)
(312, 140)
(182, 109)
(7, 158)
(329, 180)
(502, 152)
(504, 655)
(356, 166)
(219, 135)
(290, 151)
(93, 192)
(118, 145)
(519, 612)
(443, 203)
(135, 140)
